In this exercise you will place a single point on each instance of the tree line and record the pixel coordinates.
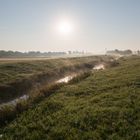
(120, 52)
(29, 54)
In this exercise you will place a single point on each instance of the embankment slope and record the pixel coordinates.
(104, 106)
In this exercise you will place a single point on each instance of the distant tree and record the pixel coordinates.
(29, 54)
(138, 52)
(119, 52)
(69, 52)
(127, 52)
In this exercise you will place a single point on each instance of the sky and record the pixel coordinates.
(97, 25)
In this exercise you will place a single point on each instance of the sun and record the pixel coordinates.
(65, 27)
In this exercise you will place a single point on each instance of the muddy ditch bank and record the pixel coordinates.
(21, 87)
(10, 110)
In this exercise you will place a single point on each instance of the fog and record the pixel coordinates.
(89, 26)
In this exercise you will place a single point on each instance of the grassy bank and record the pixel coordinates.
(19, 77)
(105, 105)
(9, 112)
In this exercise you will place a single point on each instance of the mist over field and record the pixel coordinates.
(52, 25)
(69, 70)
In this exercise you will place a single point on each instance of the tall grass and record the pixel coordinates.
(103, 106)
(10, 112)
(19, 78)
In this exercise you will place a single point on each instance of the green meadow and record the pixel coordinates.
(18, 77)
(104, 105)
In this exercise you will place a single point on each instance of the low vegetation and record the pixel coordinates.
(105, 105)
(8, 112)
(19, 77)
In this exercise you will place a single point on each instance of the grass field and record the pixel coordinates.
(18, 77)
(11, 71)
(104, 106)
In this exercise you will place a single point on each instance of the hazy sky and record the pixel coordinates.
(27, 25)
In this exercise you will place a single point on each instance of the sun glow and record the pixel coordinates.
(65, 27)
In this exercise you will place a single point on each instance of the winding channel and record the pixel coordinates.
(65, 79)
